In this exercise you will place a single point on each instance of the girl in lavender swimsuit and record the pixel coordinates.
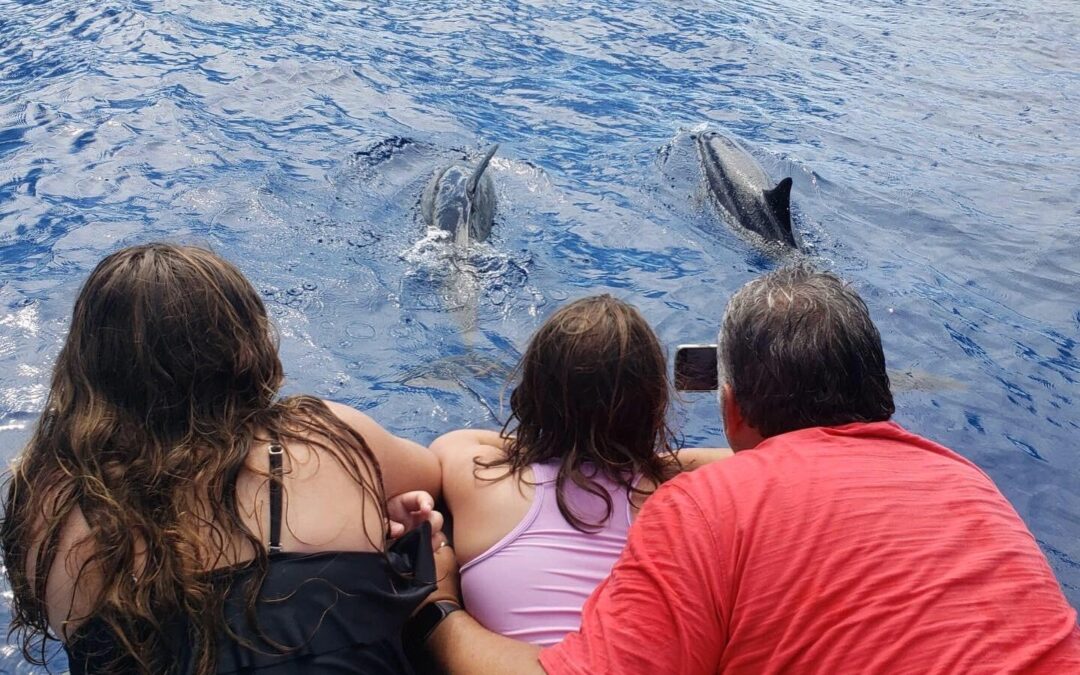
(542, 508)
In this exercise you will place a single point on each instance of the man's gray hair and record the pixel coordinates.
(799, 350)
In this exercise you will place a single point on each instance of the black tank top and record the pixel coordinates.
(334, 612)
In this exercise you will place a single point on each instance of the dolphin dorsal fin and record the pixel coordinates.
(779, 201)
(474, 179)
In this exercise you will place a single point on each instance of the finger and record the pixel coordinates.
(400, 506)
(416, 501)
(439, 541)
(427, 503)
(396, 529)
(421, 503)
(436, 519)
(395, 510)
(446, 571)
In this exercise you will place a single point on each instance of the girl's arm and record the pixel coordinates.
(405, 465)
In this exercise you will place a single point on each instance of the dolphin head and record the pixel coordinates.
(716, 148)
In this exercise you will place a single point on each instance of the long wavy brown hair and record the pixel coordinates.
(167, 379)
(593, 395)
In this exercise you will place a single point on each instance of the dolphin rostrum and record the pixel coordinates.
(461, 201)
(740, 187)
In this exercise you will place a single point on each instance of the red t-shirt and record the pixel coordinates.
(853, 549)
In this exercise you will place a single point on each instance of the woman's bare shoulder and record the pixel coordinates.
(68, 602)
(406, 465)
(464, 452)
(693, 458)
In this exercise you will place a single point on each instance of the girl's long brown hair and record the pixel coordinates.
(168, 377)
(593, 391)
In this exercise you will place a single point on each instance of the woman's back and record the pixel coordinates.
(326, 613)
(541, 509)
(329, 603)
(532, 584)
(162, 452)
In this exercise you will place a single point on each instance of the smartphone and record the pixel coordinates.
(695, 368)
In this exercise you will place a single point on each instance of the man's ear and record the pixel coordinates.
(740, 434)
(733, 419)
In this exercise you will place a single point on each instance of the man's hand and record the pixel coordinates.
(461, 645)
(447, 573)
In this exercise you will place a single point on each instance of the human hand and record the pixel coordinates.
(409, 510)
(447, 575)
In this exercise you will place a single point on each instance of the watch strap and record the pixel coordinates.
(422, 624)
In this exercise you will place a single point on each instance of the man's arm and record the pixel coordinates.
(461, 645)
(662, 608)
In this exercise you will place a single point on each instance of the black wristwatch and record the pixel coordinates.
(422, 624)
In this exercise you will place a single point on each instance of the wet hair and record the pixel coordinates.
(592, 390)
(799, 350)
(168, 377)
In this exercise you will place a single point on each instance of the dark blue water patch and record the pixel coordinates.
(1018, 395)
(86, 29)
(503, 345)
(81, 141)
(128, 103)
(11, 139)
(974, 422)
(759, 261)
(22, 256)
(7, 191)
(61, 20)
(1065, 360)
(1026, 447)
(1059, 557)
(1041, 381)
(1059, 401)
(40, 69)
(968, 345)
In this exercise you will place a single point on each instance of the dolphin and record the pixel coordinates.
(740, 187)
(461, 201)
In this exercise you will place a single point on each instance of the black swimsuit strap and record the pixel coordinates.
(276, 451)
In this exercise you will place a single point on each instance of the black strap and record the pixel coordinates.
(423, 623)
(275, 496)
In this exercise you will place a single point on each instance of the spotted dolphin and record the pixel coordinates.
(461, 201)
(741, 187)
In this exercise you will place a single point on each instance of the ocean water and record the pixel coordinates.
(934, 155)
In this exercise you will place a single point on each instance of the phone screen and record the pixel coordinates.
(695, 368)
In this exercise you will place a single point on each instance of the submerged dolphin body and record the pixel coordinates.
(740, 187)
(461, 201)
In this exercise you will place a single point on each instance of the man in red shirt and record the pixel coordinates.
(833, 541)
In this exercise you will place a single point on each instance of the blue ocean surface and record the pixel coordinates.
(933, 146)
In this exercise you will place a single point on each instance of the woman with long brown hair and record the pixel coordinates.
(541, 508)
(172, 514)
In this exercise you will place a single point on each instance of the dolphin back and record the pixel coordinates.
(427, 199)
(740, 187)
(461, 201)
